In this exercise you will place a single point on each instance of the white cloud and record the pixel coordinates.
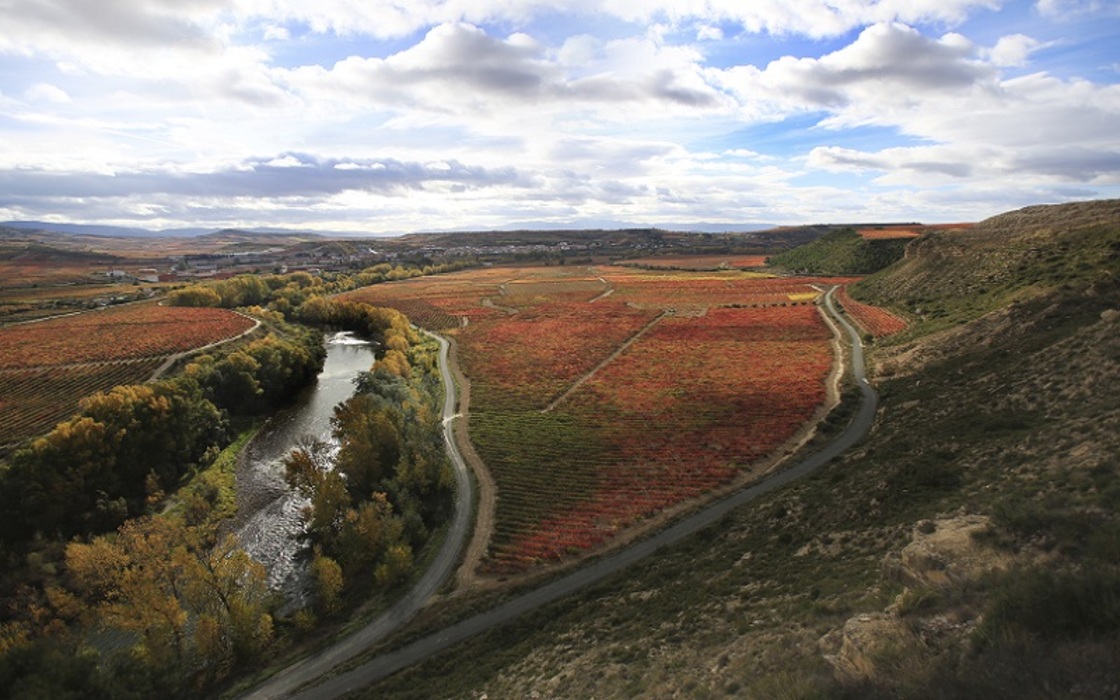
(887, 64)
(943, 92)
(460, 69)
(1069, 9)
(477, 115)
(45, 92)
(1014, 50)
(707, 32)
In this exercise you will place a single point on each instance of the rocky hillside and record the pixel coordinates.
(969, 547)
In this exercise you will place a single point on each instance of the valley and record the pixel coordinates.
(957, 536)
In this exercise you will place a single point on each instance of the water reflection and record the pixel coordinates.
(268, 521)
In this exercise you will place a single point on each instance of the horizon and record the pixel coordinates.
(492, 116)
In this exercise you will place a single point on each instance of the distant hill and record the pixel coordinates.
(27, 252)
(98, 230)
(841, 252)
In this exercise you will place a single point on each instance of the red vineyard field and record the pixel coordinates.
(33, 401)
(700, 262)
(46, 368)
(601, 396)
(684, 410)
(872, 319)
(116, 333)
(702, 290)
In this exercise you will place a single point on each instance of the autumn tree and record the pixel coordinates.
(95, 469)
(193, 605)
(329, 581)
(195, 295)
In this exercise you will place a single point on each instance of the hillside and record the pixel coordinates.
(841, 252)
(969, 547)
(955, 276)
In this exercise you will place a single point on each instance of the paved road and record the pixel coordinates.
(425, 647)
(285, 682)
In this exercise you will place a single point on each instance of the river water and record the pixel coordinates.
(268, 523)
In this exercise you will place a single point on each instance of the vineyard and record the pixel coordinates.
(700, 262)
(47, 367)
(872, 319)
(602, 397)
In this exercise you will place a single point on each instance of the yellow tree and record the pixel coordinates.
(135, 581)
(156, 576)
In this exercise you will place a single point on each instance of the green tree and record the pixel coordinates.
(95, 469)
(195, 295)
(369, 444)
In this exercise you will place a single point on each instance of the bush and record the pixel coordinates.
(1053, 605)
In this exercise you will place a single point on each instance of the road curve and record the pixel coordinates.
(391, 662)
(318, 664)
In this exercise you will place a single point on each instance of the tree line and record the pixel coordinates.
(126, 447)
(91, 542)
(87, 542)
(286, 293)
(390, 485)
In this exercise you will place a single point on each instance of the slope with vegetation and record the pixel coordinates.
(841, 252)
(968, 547)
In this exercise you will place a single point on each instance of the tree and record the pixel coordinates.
(328, 581)
(192, 604)
(134, 582)
(195, 295)
(394, 566)
(369, 444)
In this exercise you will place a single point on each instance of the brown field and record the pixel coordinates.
(905, 231)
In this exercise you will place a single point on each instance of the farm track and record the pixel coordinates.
(382, 666)
(613, 356)
(440, 570)
(170, 362)
(487, 488)
(94, 378)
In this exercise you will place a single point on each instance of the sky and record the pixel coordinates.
(394, 116)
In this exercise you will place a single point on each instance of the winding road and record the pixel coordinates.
(307, 670)
(391, 662)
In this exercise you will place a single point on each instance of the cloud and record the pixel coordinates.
(1070, 9)
(285, 175)
(45, 92)
(388, 19)
(460, 68)
(480, 112)
(1014, 50)
(36, 26)
(949, 94)
(887, 63)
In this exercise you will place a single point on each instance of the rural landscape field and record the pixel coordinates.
(596, 404)
(492, 350)
(601, 397)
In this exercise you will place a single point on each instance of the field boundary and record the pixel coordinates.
(613, 356)
(170, 362)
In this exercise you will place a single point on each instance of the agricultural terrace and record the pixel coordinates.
(892, 231)
(603, 396)
(871, 319)
(48, 366)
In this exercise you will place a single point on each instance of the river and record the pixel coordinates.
(268, 522)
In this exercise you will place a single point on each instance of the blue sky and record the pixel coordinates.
(382, 117)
